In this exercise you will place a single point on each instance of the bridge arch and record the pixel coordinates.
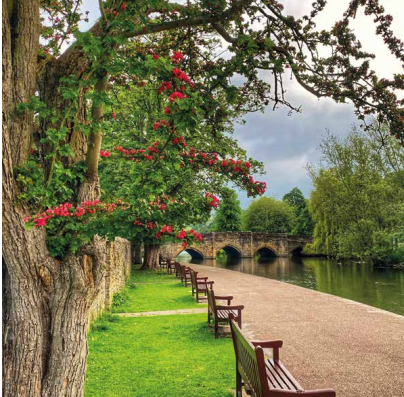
(296, 251)
(194, 252)
(230, 250)
(266, 251)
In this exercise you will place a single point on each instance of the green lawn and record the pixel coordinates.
(158, 356)
(150, 291)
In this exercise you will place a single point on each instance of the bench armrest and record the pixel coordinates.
(210, 283)
(224, 298)
(267, 344)
(306, 393)
(239, 307)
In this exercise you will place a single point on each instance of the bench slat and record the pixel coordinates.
(289, 376)
(221, 313)
(275, 381)
(276, 372)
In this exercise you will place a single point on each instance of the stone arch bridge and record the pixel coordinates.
(240, 244)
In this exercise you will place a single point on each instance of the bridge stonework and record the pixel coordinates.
(243, 244)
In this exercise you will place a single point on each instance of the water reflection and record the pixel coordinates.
(379, 287)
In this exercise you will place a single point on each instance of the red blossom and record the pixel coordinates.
(177, 57)
(166, 85)
(176, 95)
(181, 235)
(180, 75)
(213, 201)
(105, 153)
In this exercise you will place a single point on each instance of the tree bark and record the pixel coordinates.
(47, 302)
(151, 257)
(137, 253)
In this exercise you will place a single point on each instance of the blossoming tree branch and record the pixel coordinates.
(125, 130)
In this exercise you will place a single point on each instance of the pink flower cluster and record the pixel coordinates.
(166, 85)
(67, 210)
(213, 201)
(197, 236)
(176, 95)
(164, 230)
(158, 124)
(105, 153)
(179, 141)
(140, 153)
(180, 75)
(177, 57)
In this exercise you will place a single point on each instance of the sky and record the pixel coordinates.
(286, 144)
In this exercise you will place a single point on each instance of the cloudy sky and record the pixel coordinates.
(286, 144)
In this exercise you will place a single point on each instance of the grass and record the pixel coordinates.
(150, 291)
(158, 356)
(161, 355)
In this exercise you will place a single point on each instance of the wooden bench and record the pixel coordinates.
(200, 285)
(220, 313)
(261, 376)
(185, 275)
(177, 269)
(162, 262)
(170, 266)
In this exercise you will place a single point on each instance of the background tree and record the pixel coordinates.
(358, 196)
(54, 103)
(295, 199)
(269, 215)
(304, 223)
(228, 215)
(205, 227)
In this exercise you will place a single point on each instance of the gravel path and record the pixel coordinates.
(328, 341)
(164, 313)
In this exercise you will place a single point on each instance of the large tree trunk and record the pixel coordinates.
(47, 302)
(137, 253)
(151, 257)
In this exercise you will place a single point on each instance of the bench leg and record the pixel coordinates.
(216, 329)
(239, 391)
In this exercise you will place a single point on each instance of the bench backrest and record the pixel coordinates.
(250, 362)
(183, 270)
(177, 267)
(193, 278)
(211, 299)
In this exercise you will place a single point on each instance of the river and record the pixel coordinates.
(378, 287)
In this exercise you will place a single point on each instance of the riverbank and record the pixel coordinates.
(328, 341)
(379, 287)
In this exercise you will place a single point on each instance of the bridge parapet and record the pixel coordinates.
(242, 244)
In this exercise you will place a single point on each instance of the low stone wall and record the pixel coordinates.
(118, 266)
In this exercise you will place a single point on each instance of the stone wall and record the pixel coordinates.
(118, 265)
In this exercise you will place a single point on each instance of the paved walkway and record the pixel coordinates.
(328, 341)
(164, 313)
